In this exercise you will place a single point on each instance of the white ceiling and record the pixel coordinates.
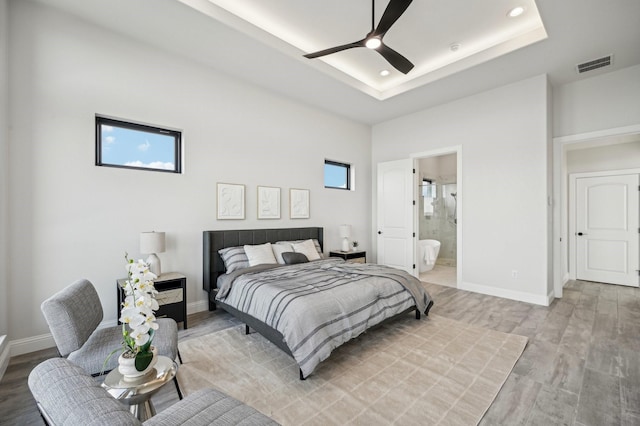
(424, 34)
(347, 83)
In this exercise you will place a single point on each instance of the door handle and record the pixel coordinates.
(580, 234)
(379, 232)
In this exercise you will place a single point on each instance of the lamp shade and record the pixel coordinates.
(152, 242)
(345, 231)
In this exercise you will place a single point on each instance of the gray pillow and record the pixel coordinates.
(291, 258)
(234, 258)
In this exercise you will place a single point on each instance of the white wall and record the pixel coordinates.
(443, 166)
(604, 158)
(550, 193)
(605, 101)
(4, 176)
(504, 135)
(71, 219)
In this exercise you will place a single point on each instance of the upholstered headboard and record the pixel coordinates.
(212, 264)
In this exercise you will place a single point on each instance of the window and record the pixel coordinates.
(137, 146)
(428, 196)
(428, 188)
(337, 175)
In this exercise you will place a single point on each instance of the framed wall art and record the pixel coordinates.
(299, 203)
(268, 202)
(230, 201)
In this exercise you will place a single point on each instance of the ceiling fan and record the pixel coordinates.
(373, 39)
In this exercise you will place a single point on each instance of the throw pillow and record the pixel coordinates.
(278, 249)
(260, 254)
(234, 258)
(308, 249)
(292, 258)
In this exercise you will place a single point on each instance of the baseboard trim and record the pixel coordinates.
(520, 296)
(31, 344)
(199, 306)
(45, 341)
(4, 355)
(550, 297)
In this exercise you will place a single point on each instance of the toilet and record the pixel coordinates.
(427, 254)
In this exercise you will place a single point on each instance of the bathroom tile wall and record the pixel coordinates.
(441, 225)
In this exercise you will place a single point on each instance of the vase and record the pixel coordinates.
(127, 365)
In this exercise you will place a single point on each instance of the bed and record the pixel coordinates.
(305, 309)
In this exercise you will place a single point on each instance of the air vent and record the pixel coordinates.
(605, 61)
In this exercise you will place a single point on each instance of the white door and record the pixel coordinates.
(395, 214)
(607, 229)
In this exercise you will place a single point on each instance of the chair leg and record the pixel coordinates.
(175, 380)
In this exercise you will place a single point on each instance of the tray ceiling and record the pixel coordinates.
(440, 37)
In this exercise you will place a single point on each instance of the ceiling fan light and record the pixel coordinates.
(516, 11)
(373, 43)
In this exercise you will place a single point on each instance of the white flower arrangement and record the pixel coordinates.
(137, 314)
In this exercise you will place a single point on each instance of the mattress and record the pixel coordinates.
(318, 306)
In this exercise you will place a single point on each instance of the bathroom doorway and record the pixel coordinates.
(437, 218)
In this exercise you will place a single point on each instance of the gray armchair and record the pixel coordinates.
(67, 395)
(73, 315)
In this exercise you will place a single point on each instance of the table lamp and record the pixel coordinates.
(345, 234)
(152, 243)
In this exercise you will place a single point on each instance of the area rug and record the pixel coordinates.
(427, 372)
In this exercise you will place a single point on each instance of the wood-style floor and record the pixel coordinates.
(581, 366)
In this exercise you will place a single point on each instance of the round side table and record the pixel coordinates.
(137, 393)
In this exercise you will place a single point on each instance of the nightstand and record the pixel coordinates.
(350, 256)
(172, 296)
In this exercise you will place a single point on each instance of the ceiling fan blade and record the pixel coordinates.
(334, 49)
(398, 61)
(392, 13)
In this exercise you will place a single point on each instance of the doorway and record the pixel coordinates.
(438, 216)
(587, 152)
(604, 238)
(398, 194)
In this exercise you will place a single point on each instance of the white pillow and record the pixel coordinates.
(307, 248)
(280, 248)
(259, 254)
(315, 242)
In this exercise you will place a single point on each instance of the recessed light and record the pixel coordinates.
(373, 43)
(455, 46)
(384, 73)
(516, 11)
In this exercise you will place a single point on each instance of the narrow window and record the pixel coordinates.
(137, 146)
(337, 175)
(428, 196)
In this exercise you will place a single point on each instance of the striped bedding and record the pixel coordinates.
(318, 306)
